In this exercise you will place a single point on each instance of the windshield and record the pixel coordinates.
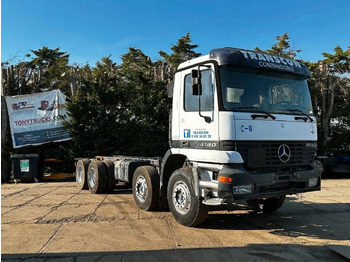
(246, 89)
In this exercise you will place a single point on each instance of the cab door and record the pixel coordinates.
(196, 132)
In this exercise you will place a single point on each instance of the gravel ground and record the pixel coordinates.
(56, 221)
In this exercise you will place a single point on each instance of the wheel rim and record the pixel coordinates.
(141, 188)
(92, 177)
(80, 175)
(181, 198)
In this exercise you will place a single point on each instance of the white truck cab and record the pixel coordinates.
(243, 122)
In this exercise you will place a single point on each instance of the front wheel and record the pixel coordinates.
(185, 206)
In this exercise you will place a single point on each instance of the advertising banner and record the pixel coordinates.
(38, 118)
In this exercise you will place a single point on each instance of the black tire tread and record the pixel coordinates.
(111, 181)
(101, 177)
(84, 163)
(201, 211)
(272, 204)
(152, 177)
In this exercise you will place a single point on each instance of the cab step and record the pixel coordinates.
(213, 201)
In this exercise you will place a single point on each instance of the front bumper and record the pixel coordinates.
(267, 184)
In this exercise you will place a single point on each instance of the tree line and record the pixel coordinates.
(123, 108)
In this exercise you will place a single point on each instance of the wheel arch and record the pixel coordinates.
(171, 162)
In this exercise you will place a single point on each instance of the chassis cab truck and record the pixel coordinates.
(241, 129)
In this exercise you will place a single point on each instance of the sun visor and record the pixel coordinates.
(242, 57)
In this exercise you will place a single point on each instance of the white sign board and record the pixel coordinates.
(37, 118)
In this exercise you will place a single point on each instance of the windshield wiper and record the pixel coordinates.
(257, 109)
(299, 111)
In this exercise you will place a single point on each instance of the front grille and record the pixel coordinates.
(263, 155)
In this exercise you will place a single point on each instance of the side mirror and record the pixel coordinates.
(196, 83)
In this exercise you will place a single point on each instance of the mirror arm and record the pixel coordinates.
(206, 118)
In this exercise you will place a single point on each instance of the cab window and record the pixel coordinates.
(207, 97)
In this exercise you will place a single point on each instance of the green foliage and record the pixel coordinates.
(41, 73)
(339, 62)
(148, 106)
(182, 52)
(95, 112)
(117, 108)
(47, 67)
(123, 109)
(337, 66)
(282, 47)
(330, 90)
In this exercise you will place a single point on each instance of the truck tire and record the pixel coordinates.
(268, 205)
(185, 206)
(111, 181)
(96, 177)
(145, 188)
(81, 173)
(272, 204)
(255, 205)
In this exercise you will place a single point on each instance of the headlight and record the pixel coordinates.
(244, 189)
(313, 182)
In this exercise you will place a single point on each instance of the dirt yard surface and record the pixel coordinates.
(56, 221)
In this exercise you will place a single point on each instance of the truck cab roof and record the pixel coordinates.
(249, 58)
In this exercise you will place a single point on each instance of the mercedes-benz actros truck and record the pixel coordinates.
(241, 128)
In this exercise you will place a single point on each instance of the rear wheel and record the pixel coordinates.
(145, 188)
(184, 205)
(97, 177)
(80, 173)
(111, 181)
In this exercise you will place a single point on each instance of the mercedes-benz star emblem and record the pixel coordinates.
(284, 153)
